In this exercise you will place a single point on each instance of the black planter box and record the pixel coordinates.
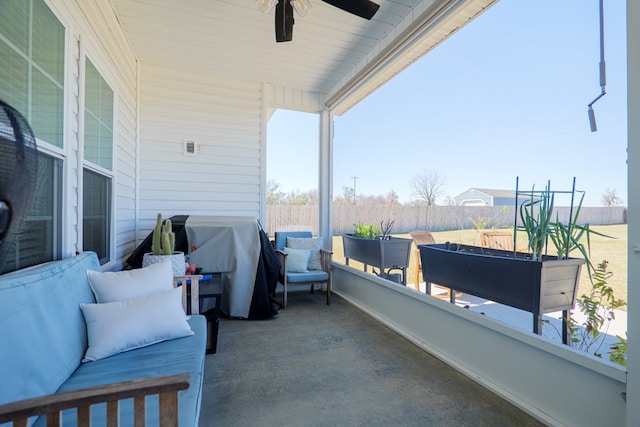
(388, 254)
(506, 277)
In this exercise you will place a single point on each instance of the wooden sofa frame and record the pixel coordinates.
(52, 405)
(167, 387)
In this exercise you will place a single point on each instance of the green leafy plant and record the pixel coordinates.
(164, 239)
(367, 231)
(619, 351)
(538, 222)
(598, 307)
(372, 231)
(536, 214)
(487, 223)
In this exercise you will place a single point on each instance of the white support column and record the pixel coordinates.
(633, 216)
(265, 114)
(325, 178)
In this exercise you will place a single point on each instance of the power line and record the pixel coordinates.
(354, 188)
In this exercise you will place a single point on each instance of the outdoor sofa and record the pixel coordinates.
(46, 345)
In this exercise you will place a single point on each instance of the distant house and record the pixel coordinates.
(486, 197)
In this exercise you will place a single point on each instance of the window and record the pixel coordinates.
(98, 158)
(40, 240)
(32, 44)
(32, 75)
(96, 218)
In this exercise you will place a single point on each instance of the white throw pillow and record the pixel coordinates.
(297, 260)
(314, 244)
(120, 326)
(120, 285)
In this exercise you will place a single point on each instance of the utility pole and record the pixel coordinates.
(354, 189)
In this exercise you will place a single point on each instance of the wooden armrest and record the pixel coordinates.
(325, 259)
(51, 405)
(194, 287)
(282, 256)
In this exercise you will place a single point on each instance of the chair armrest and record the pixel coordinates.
(325, 259)
(282, 256)
(191, 284)
(52, 405)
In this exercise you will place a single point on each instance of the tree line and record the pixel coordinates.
(427, 188)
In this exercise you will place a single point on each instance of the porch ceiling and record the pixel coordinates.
(233, 39)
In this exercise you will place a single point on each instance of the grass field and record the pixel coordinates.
(612, 250)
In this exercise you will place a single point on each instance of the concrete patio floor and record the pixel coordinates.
(319, 365)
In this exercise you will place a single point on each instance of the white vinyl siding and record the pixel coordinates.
(223, 118)
(98, 34)
(53, 105)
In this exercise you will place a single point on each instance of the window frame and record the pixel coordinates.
(57, 153)
(109, 260)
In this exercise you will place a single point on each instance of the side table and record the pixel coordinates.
(209, 288)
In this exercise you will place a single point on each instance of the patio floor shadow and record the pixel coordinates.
(319, 365)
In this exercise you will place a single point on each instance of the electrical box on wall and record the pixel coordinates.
(190, 147)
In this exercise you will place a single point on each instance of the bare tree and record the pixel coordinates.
(392, 198)
(349, 194)
(610, 198)
(427, 186)
(274, 195)
(449, 201)
(309, 197)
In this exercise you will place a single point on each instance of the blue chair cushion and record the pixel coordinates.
(311, 276)
(281, 237)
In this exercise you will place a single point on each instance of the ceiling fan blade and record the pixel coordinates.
(362, 8)
(284, 21)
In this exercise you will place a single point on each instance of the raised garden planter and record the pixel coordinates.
(506, 277)
(384, 254)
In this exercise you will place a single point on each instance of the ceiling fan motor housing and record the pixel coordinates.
(284, 14)
(284, 21)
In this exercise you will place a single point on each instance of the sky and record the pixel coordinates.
(504, 97)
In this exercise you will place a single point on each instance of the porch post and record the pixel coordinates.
(325, 178)
(633, 214)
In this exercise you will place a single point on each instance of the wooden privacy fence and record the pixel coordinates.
(429, 218)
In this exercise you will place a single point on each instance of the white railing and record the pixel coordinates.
(554, 383)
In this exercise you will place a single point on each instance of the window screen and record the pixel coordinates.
(98, 156)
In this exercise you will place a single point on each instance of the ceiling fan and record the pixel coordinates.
(18, 178)
(284, 12)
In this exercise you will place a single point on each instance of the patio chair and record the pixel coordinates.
(423, 238)
(497, 239)
(303, 261)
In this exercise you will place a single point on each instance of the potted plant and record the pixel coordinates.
(535, 281)
(163, 246)
(374, 246)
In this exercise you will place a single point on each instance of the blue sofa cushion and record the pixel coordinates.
(166, 358)
(43, 331)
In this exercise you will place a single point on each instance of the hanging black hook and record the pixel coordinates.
(603, 77)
